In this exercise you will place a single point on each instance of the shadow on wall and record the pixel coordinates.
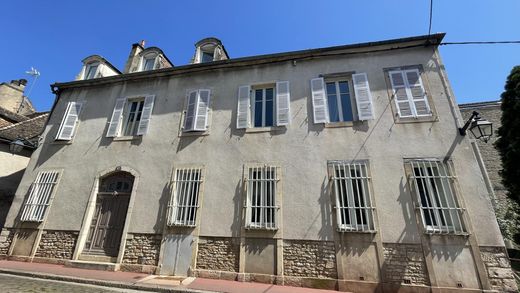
(236, 226)
(5, 204)
(163, 208)
(325, 202)
(8, 186)
(409, 233)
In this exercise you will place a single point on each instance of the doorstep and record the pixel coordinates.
(92, 265)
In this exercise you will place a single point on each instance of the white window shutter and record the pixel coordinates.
(191, 111)
(117, 115)
(146, 115)
(417, 93)
(243, 106)
(363, 96)
(402, 101)
(319, 101)
(68, 124)
(201, 120)
(283, 103)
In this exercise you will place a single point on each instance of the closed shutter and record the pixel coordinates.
(191, 109)
(115, 121)
(283, 103)
(418, 95)
(146, 115)
(319, 101)
(202, 110)
(363, 96)
(402, 102)
(243, 107)
(68, 124)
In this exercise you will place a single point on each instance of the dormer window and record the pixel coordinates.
(149, 62)
(207, 56)
(91, 70)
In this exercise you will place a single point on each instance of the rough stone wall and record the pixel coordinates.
(6, 238)
(404, 262)
(309, 259)
(498, 269)
(220, 254)
(57, 244)
(142, 249)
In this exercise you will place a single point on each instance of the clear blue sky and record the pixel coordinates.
(54, 36)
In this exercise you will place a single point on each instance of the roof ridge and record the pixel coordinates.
(23, 122)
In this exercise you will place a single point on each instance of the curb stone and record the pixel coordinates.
(106, 283)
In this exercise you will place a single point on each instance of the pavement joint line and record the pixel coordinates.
(106, 283)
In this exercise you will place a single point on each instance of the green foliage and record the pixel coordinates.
(508, 143)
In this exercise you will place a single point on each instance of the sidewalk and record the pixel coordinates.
(139, 281)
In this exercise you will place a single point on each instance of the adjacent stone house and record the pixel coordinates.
(336, 167)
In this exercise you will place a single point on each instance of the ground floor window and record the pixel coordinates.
(182, 209)
(261, 197)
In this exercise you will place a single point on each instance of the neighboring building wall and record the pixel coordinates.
(506, 209)
(12, 98)
(301, 150)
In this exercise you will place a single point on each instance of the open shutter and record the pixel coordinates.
(243, 107)
(113, 127)
(418, 95)
(363, 96)
(146, 115)
(191, 109)
(319, 101)
(283, 102)
(201, 119)
(402, 102)
(68, 124)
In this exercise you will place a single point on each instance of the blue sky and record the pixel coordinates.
(55, 36)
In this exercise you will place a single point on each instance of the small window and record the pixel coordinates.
(40, 196)
(149, 62)
(91, 70)
(206, 56)
(261, 205)
(339, 101)
(432, 181)
(132, 116)
(351, 187)
(262, 109)
(182, 208)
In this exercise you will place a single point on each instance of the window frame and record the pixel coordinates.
(352, 97)
(196, 199)
(126, 116)
(426, 86)
(41, 195)
(149, 56)
(340, 191)
(275, 197)
(89, 66)
(252, 103)
(439, 224)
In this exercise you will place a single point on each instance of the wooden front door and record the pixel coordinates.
(106, 227)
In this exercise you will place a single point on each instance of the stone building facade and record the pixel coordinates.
(338, 168)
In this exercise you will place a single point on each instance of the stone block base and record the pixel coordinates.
(6, 238)
(218, 254)
(142, 249)
(498, 269)
(57, 244)
(404, 264)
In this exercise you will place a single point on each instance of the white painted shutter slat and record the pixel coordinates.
(319, 101)
(146, 115)
(191, 111)
(68, 125)
(402, 101)
(363, 96)
(201, 120)
(117, 114)
(417, 92)
(283, 103)
(243, 107)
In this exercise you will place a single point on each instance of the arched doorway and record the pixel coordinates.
(108, 220)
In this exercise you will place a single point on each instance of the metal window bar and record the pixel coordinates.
(183, 205)
(440, 212)
(354, 209)
(39, 197)
(261, 198)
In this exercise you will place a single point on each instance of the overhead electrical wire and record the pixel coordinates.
(431, 16)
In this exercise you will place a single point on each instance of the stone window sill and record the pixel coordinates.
(126, 138)
(264, 129)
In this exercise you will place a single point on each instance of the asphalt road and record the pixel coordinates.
(18, 284)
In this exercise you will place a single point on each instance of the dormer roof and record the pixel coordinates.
(100, 59)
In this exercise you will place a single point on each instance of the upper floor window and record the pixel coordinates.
(131, 116)
(207, 56)
(432, 182)
(409, 94)
(91, 70)
(69, 121)
(40, 196)
(351, 187)
(197, 110)
(341, 99)
(263, 105)
(149, 62)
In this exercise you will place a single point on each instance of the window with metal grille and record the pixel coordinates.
(433, 182)
(40, 196)
(182, 209)
(261, 198)
(354, 208)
